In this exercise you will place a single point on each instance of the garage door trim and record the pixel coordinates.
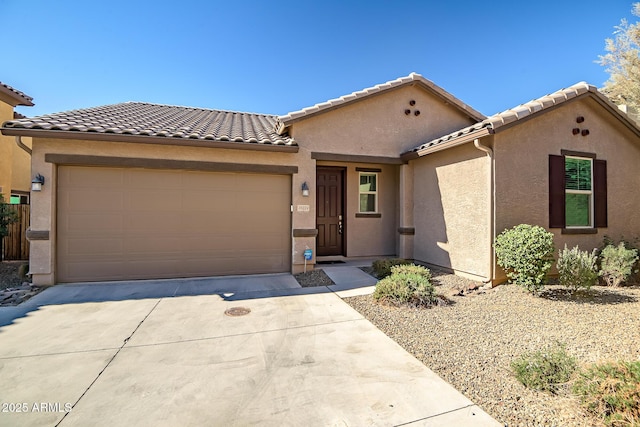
(194, 165)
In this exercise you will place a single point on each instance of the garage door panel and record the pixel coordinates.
(265, 201)
(161, 224)
(161, 246)
(86, 224)
(152, 200)
(141, 179)
(95, 200)
(92, 248)
(207, 181)
(145, 223)
(99, 270)
(91, 178)
(224, 265)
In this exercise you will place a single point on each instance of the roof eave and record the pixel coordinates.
(145, 139)
(470, 137)
(612, 108)
(16, 97)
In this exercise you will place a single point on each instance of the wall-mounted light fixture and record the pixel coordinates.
(37, 182)
(305, 189)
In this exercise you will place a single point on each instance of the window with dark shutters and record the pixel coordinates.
(562, 169)
(556, 191)
(600, 193)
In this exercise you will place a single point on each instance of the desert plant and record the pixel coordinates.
(629, 243)
(525, 252)
(411, 269)
(546, 369)
(577, 269)
(611, 391)
(617, 263)
(382, 267)
(404, 287)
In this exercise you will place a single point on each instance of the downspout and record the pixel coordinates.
(21, 144)
(492, 209)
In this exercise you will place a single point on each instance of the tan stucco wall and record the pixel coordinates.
(21, 166)
(15, 163)
(378, 126)
(43, 203)
(6, 152)
(370, 236)
(522, 170)
(452, 203)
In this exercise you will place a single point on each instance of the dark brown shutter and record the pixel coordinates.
(600, 193)
(556, 191)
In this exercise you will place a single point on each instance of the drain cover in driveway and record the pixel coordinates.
(237, 311)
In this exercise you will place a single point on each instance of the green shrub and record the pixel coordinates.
(411, 269)
(411, 286)
(611, 391)
(545, 370)
(617, 263)
(525, 252)
(577, 269)
(382, 267)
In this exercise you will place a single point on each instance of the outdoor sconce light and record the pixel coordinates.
(37, 182)
(305, 189)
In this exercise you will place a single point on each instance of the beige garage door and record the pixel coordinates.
(124, 223)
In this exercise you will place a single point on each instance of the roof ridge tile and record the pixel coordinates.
(289, 118)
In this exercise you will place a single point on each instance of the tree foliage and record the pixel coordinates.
(622, 62)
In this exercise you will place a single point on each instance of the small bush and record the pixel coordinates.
(412, 269)
(611, 391)
(545, 370)
(577, 269)
(525, 252)
(617, 263)
(382, 267)
(632, 243)
(411, 286)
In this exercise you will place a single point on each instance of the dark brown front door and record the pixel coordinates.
(329, 211)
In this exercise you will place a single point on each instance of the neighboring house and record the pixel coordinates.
(139, 190)
(15, 161)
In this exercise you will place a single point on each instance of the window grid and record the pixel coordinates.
(368, 192)
(578, 182)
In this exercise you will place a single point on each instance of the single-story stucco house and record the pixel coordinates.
(138, 190)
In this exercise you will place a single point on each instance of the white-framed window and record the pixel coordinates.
(578, 184)
(368, 192)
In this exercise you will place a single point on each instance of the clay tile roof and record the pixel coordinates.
(495, 122)
(154, 120)
(413, 78)
(20, 98)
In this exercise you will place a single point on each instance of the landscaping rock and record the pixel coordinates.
(472, 341)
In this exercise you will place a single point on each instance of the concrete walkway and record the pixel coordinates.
(165, 353)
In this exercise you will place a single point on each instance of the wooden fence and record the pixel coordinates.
(15, 245)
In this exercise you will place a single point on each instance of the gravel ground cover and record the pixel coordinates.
(472, 341)
(316, 277)
(15, 288)
(9, 274)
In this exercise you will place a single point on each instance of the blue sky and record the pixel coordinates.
(279, 56)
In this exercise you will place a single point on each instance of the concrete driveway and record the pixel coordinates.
(165, 353)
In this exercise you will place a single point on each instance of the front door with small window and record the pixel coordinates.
(329, 211)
